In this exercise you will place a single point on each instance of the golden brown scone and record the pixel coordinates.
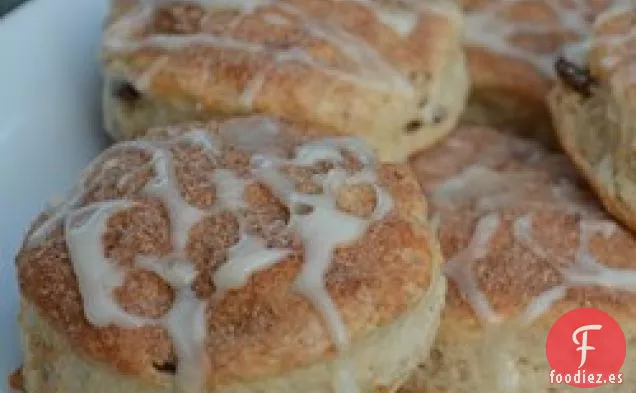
(235, 256)
(511, 47)
(392, 72)
(594, 109)
(524, 243)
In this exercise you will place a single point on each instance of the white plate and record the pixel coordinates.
(49, 126)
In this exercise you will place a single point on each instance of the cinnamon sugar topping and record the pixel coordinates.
(536, 31)
(193, 181)
(523, 239)
(519, 232)
(172, 27)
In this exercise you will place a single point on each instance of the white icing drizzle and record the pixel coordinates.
(96, 275)
(177, 272)
(186, 324)
(502, 193)
(322, 229)
(487, 191)
(372, 70)
(487, 28)
(343, 372)
(246, 6)
(51, 223)
(402, 21)
(142, 83)
(448, 9)
(585, 271)
(72, 199)
(276, 20)
(617, 46)
(578, 52)
(435, 223)
(257, 135)
(616, 8)
(165, 187)
(229, 190)
(541, 304)
(522, 232)
(588, 270)
(486, 188)
(245, 258)
(460, 268)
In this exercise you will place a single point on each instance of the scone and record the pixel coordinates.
(594, 111)
(391, 72)
(237, 256)
(511, 47)
(524, 243)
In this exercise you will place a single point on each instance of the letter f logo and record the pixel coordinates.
(583, 344)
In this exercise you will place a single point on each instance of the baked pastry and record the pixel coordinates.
(511, 48)
(524, 243)
(236, 256)
(594, 106)
(392, 72)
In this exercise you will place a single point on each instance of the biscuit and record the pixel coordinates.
(234, 256)
(391, 72)
(525, 242)
(593, 110)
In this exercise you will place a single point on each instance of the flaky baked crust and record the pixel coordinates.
(511, 47)
(263, 329)
(524, 242)
(594, 112)
(392, 72)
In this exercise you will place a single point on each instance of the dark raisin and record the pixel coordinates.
(413, 126)
(575, 77)
(302, 209)
(16, 381)
(126, 92)
(440, 116)
(168, 367)
(418, 77)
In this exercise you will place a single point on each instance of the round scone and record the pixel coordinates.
(511, 47)
(594, 108)
(524, 243)
(392, 72)
(236, 256)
